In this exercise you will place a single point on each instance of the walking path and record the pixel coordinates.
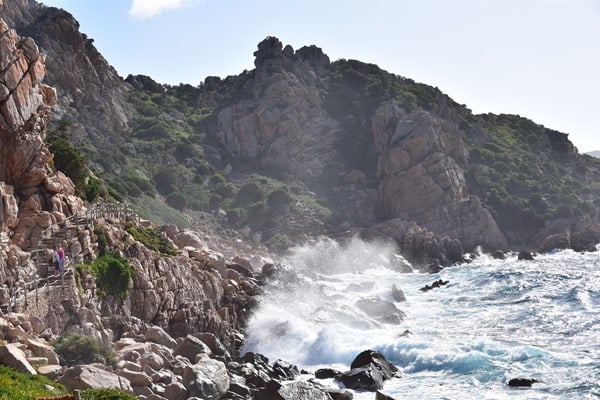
(48, 284)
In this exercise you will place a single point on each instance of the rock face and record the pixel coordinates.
(282, 123)
(421, 175)
(90, 92)
(33, 196)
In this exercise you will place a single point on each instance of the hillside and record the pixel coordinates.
(304, 146)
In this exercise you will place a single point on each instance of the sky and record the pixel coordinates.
(539, 59)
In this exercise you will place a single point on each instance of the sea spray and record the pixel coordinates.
(494, 321)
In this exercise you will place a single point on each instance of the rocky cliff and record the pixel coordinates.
(90, 93)
(351, 145)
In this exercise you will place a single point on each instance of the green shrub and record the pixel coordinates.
(80, 349)
(167, 181)
(279, 199)
(151, 238)
(113, 274)
(101, 239)
(279, 243)
(176, 200)
(236, 215)
(225, 190)
(92, 190)
(248, 194)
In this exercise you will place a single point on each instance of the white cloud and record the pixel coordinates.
(150, 8)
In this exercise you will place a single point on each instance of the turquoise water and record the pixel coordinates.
(495, 320)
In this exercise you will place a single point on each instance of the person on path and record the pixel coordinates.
(56, 259)
(61, 258)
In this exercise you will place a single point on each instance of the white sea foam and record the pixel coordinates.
(495, 320)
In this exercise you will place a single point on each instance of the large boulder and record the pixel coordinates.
(89, 376)
(13, 356)
(207, 379)
(368, 371)
(190, 347)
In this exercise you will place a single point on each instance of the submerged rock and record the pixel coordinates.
(525, 255)
(522, 382)
(434, 285)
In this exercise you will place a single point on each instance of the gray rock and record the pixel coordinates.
(190, 347)
(207, 379)
(158, 335)
(89, 376)
(11, 355)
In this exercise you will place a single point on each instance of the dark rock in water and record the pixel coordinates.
(398, 294)
(383, 396)
(433, 268)
(256, 359)
(406, 333)
(499, 255)
(378, 360)
(454, 249)
(326, 373)
(366, 378)
(269, 269)
(525, 255)
(434, 285)
(522, 382)
(284, 370)
(337, 394)
(368, 371)
(381, 310)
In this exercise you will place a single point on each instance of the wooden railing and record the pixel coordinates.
(65, 231)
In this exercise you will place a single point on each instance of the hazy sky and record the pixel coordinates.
(536, 58)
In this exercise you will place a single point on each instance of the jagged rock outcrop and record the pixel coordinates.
(91, 95)
(421, 175)
(282, 125)
(30, 189)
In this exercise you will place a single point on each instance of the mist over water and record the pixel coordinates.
(495, 320)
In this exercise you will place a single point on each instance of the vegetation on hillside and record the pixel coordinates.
(170, 162)
(526, 174)
(72, 162)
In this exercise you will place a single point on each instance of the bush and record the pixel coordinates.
(279, 199)
(80, 349)
(151, 238)
(167, 181)
(279, 243)
(176, 200)
(92, 190)
(113, 274)
(248, 194)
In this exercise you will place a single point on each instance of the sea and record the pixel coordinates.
(492, 321)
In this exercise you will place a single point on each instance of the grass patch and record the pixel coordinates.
(151, 238)
(106, 394)
(17, 386)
